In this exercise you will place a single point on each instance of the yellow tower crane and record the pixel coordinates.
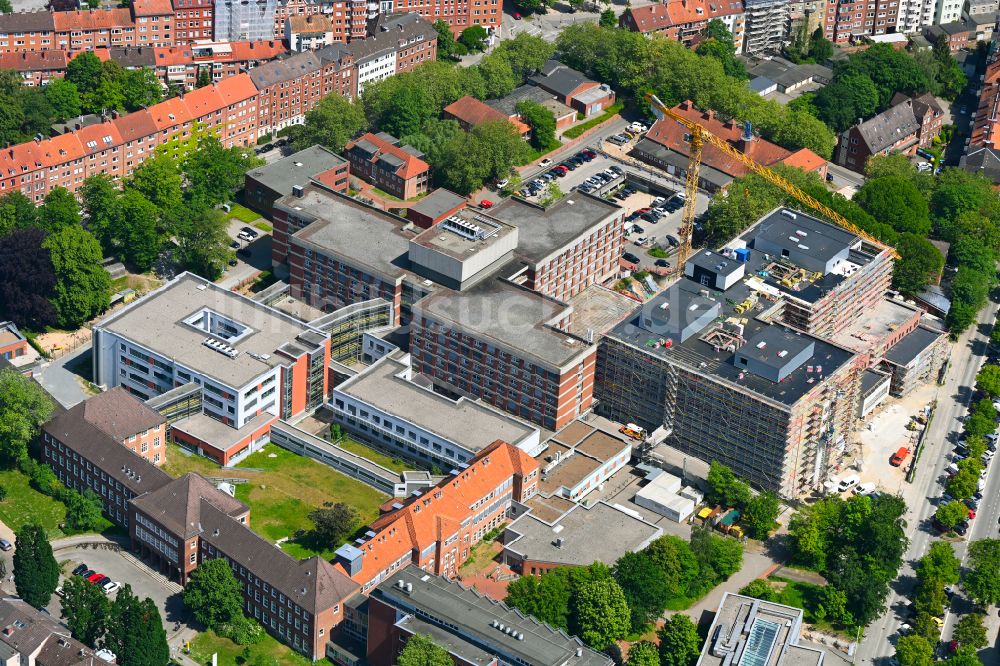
(699, 135)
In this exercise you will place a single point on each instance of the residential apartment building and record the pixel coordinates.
(118, 145)
(435, 530)
(229, 109)
(244, 20)
(475, 628)
(35, 638)
(348, 18)
(728, 363)
(458, 15)
(906, 126)
(181, 65)
(254, 364)
(194, 20)
(847, 19)
(381, 160)
(767, 25)
(145, 23)
(666, 146)
(306, 33)
(685, 20)
(914, 15)
(36, 67)
(957, 33)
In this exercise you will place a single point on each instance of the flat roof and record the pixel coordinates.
(751, 632)
(157, 322)
(546, 231)
(449, 236)
(597, 309)
(213, 431)
(568, 473)
(363, 236)
(602, 446)
(509, 315)
(438, 202)
(715, 262)
(296, 169)
(878, 322)
(575, 532)
(697, 310)
(466, 422)
(549, 508)
(912, 345)
(574, 433)
(825, 240)
(468, 652)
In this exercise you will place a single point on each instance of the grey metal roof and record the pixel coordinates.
(760, 83)
(825, 240)
(984, 160)
(911, 345)
(525, 93)
(715, 262)
(477, 619)
(33, 21)
(296, 169)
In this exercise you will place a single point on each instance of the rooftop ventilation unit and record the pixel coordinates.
(464, 229)
(220, 347)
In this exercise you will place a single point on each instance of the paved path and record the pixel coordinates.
(63, 384)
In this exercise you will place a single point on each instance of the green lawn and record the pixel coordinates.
(577, 130)
(179, 462)
(385, 195)
(264, 226)
(377, 457)
(229, 653)
(281, 497)
(24, 505)
(242, 213)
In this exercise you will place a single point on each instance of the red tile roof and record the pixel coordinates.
(91, 19)
(804, 159)
(682, 12)
(165, 56)
(135, 125)
(234, 89)
(170, 113)
(30, 62)
(98, 134)
(671, 135)
(472, 112)
(439, 511)
(242, 51)
(152, 7)
(412, 165)
(203, 101)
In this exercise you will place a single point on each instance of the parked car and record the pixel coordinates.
(637, 229)
(618, 139)
(503, 183)
(249, 232)
(59, 592)
(5, 545)
(486, 203)
(545, 162)
(672, 240)
(631, 258)
(109, 586)
(80, 568)
(94, 577)
(959, 529)
(663, 263)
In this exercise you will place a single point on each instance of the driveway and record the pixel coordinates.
(247, 266)
(64, 377)
(122, 567)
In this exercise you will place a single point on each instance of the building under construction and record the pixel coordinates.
(714, 361)
(767, 24)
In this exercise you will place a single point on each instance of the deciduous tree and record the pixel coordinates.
(680, 644)
(760, 513)
(601, 613)
(542, 124)
(335, 523)
(982, 582)
(60, 210)
(331, 123)
(920, 264)
(86, 609)
(674, 556)
(213, 595)
(420, 650)
(643, 653)
(940, 563)
(914, 650)
(897, 202)
(135, 631)
(203, 242)
(970, 632)
(951, 514)
(645, 587)
(24, 407)
(82, 285)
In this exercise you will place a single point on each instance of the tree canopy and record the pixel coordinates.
(135, 631)
(24, 407)
(982, 582)
(680, 644)
(86, 609)
(601, 613)
(82, 285)
(331, 123)
(213, 595)
(36, 572)
(420, 650)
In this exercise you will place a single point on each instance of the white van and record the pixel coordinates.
(865, 488)
(848, 482)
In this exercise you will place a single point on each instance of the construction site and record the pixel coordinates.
(733, 362)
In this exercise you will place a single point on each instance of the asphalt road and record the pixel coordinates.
(878, 644)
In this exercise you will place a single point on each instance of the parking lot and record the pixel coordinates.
(252, 256)
(123, 568)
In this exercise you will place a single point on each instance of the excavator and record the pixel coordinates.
(699, 136)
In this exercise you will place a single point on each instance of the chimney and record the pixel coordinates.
(746, 139)
(710, 114)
